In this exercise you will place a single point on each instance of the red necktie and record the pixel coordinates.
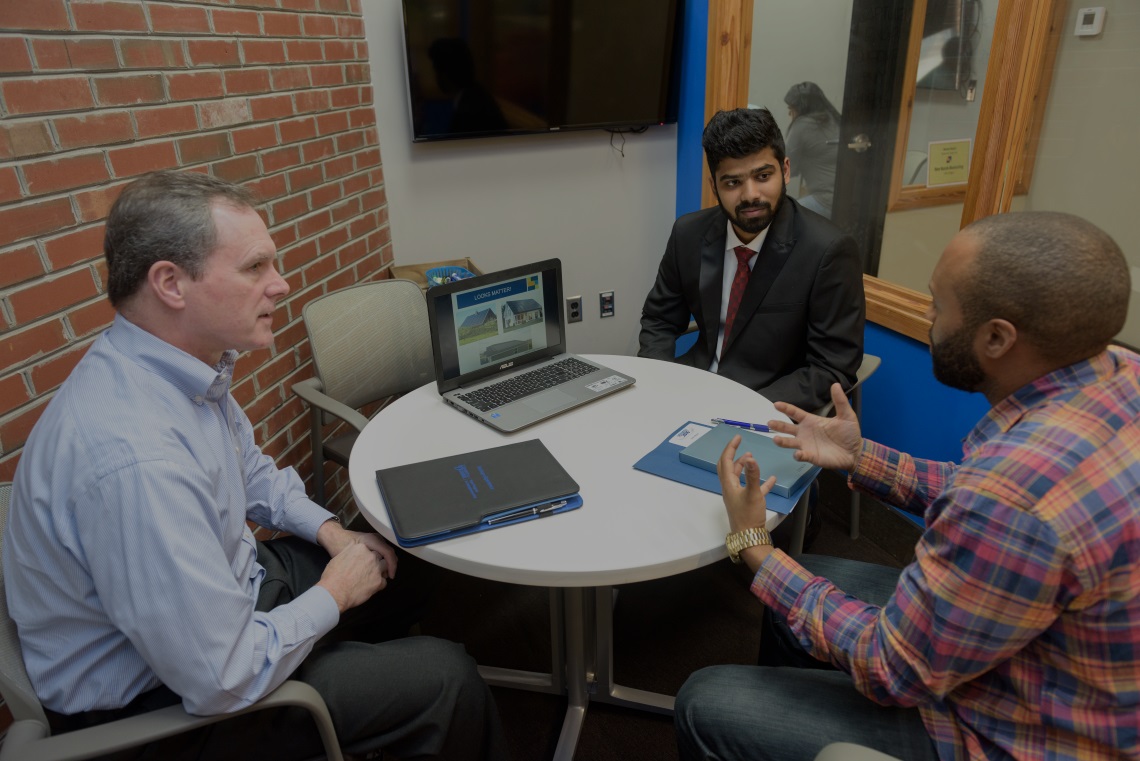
(736, 293)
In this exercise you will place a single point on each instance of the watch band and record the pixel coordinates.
(739, 541)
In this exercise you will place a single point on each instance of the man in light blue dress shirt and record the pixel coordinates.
(131, 574)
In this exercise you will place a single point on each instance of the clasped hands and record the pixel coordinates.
(360, 566)
(833, 442)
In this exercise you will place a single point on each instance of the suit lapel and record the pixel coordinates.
(773, 255)
(712, 278)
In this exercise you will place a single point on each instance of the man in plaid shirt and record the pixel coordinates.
(1015, 633)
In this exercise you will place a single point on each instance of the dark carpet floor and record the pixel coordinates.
(663, 631)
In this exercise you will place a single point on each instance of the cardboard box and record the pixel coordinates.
(418, 272)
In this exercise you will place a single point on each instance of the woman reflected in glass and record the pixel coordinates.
(812, 144)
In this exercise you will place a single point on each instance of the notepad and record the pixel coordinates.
(791, 474)
(462, 494)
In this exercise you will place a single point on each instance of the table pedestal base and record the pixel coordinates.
(582, 664)
(582, 654)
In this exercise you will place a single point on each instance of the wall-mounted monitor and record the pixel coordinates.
(503, 67)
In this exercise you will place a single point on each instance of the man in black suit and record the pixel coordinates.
(776, 290)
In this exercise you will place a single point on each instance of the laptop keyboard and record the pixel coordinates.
(526, 384)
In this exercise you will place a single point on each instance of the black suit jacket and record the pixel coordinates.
(799, 327)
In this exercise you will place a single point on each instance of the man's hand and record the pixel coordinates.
(335, 539)
(353, 575)
(746, 505)
(360, 567)
(834, 442)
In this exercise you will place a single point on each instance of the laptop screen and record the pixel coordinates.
(483, 325)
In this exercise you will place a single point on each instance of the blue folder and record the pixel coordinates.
(466, 493)
(664, 461)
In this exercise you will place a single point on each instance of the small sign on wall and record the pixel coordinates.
(949, 163)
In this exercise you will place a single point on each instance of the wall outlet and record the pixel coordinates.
(573, 309)
(606, 303)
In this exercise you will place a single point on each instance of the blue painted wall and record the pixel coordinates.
(906, 408)
(903, 406)
(691, 110)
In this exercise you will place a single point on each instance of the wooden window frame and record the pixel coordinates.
(1018, 76)
(1038, 79)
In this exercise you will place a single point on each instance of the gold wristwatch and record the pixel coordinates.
(741, 540)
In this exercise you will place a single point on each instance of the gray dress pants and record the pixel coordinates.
(412, 697)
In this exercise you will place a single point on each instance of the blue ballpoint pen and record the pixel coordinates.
(741, 424)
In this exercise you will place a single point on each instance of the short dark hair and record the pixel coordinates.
(1061, 280)
(164, 216)
(739, 133)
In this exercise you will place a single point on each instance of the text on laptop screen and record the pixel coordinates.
(497, 323)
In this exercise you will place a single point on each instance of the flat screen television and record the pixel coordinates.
(505, 67)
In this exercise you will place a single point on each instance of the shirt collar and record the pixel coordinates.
(731, 240)
(188, 374)
(1006, 413)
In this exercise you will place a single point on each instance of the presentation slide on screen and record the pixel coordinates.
(497, 323)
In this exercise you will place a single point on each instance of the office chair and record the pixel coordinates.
(866, 369)
(370, 342)
(851, 752)
(914, 168)
(30, 735)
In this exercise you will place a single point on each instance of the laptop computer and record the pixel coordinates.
(499, 343)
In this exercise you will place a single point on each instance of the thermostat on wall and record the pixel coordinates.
(1090, 21)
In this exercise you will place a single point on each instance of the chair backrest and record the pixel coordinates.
(14, 683)
(866, 369)
(370, 341)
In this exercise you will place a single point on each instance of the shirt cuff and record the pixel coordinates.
(306, 518)
(873, 469)
(318, 606)
(779, 582)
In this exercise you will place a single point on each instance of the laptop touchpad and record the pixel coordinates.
(548, 400)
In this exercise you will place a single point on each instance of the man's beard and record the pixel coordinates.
(756, 224)
(955, 363)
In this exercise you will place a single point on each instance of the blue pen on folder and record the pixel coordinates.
(741, 424)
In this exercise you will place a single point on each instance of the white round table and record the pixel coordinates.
(632, 526)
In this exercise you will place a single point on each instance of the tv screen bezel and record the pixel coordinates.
(672, 94)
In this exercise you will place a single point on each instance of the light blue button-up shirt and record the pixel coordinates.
(127, 558)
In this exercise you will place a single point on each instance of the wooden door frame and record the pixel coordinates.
(1013, 99)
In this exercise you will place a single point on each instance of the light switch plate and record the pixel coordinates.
(606, 303)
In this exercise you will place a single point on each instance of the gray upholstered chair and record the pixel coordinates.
(30, 736)
(370, 342)
(851, 752)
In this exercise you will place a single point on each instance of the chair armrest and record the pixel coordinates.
(311, 391)
(138, 730)
(20, 734)
(851, 752)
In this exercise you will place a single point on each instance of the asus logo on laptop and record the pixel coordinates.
(505, 365)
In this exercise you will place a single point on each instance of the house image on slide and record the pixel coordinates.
(521, 312)
(478, 325)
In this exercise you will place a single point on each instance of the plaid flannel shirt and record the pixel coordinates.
(1016, 630)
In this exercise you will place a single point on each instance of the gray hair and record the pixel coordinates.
(164, 216)
(1061, 280)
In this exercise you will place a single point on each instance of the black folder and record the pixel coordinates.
(453, 496)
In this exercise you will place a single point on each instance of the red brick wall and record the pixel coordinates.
(274, 94)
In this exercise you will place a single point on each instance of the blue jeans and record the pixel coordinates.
(794, 705)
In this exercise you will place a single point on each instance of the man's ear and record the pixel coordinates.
(712, 184)
(996, 337)
(787, 170)
(166, 281)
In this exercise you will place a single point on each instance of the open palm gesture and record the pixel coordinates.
(830, 442)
